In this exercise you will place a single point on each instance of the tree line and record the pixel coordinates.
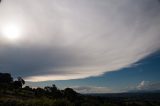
(15, 93)
(7, 83)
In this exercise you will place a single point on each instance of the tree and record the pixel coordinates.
(70, 94)
(5, 78)
(21, 80)
(28, 88)
(53, 91)
(39, 91)
(19, 83)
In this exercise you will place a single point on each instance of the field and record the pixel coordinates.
(26, 98)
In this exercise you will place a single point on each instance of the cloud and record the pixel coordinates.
(91, 89)
(148, 86)
(77, 39)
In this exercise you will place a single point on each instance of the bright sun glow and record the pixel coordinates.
(11, 32)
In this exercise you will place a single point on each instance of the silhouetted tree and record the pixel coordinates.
(19, 83)
(5, 78)
(28, 88)
(53, 91)
(39, 92)
(5, 81)
(70, 94)
(21, 80)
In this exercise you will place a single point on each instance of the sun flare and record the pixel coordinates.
(11, 32)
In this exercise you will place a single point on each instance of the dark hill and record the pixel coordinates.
(13, 94)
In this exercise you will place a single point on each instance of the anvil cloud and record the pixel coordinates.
(71, 39)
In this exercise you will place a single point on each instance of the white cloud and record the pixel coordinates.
(149, 86)
(92, 89)
(78, 39)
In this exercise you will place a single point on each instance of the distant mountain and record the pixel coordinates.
(144, 91)
(132, 95)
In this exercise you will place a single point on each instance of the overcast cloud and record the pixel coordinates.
(71, 39)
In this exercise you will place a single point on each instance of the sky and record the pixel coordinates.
(92, 46)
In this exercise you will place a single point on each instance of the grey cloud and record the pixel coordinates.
(28, 59)
(77, 39)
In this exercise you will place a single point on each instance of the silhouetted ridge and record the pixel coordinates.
(13, 94)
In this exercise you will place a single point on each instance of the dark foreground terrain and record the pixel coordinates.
(12, 94)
